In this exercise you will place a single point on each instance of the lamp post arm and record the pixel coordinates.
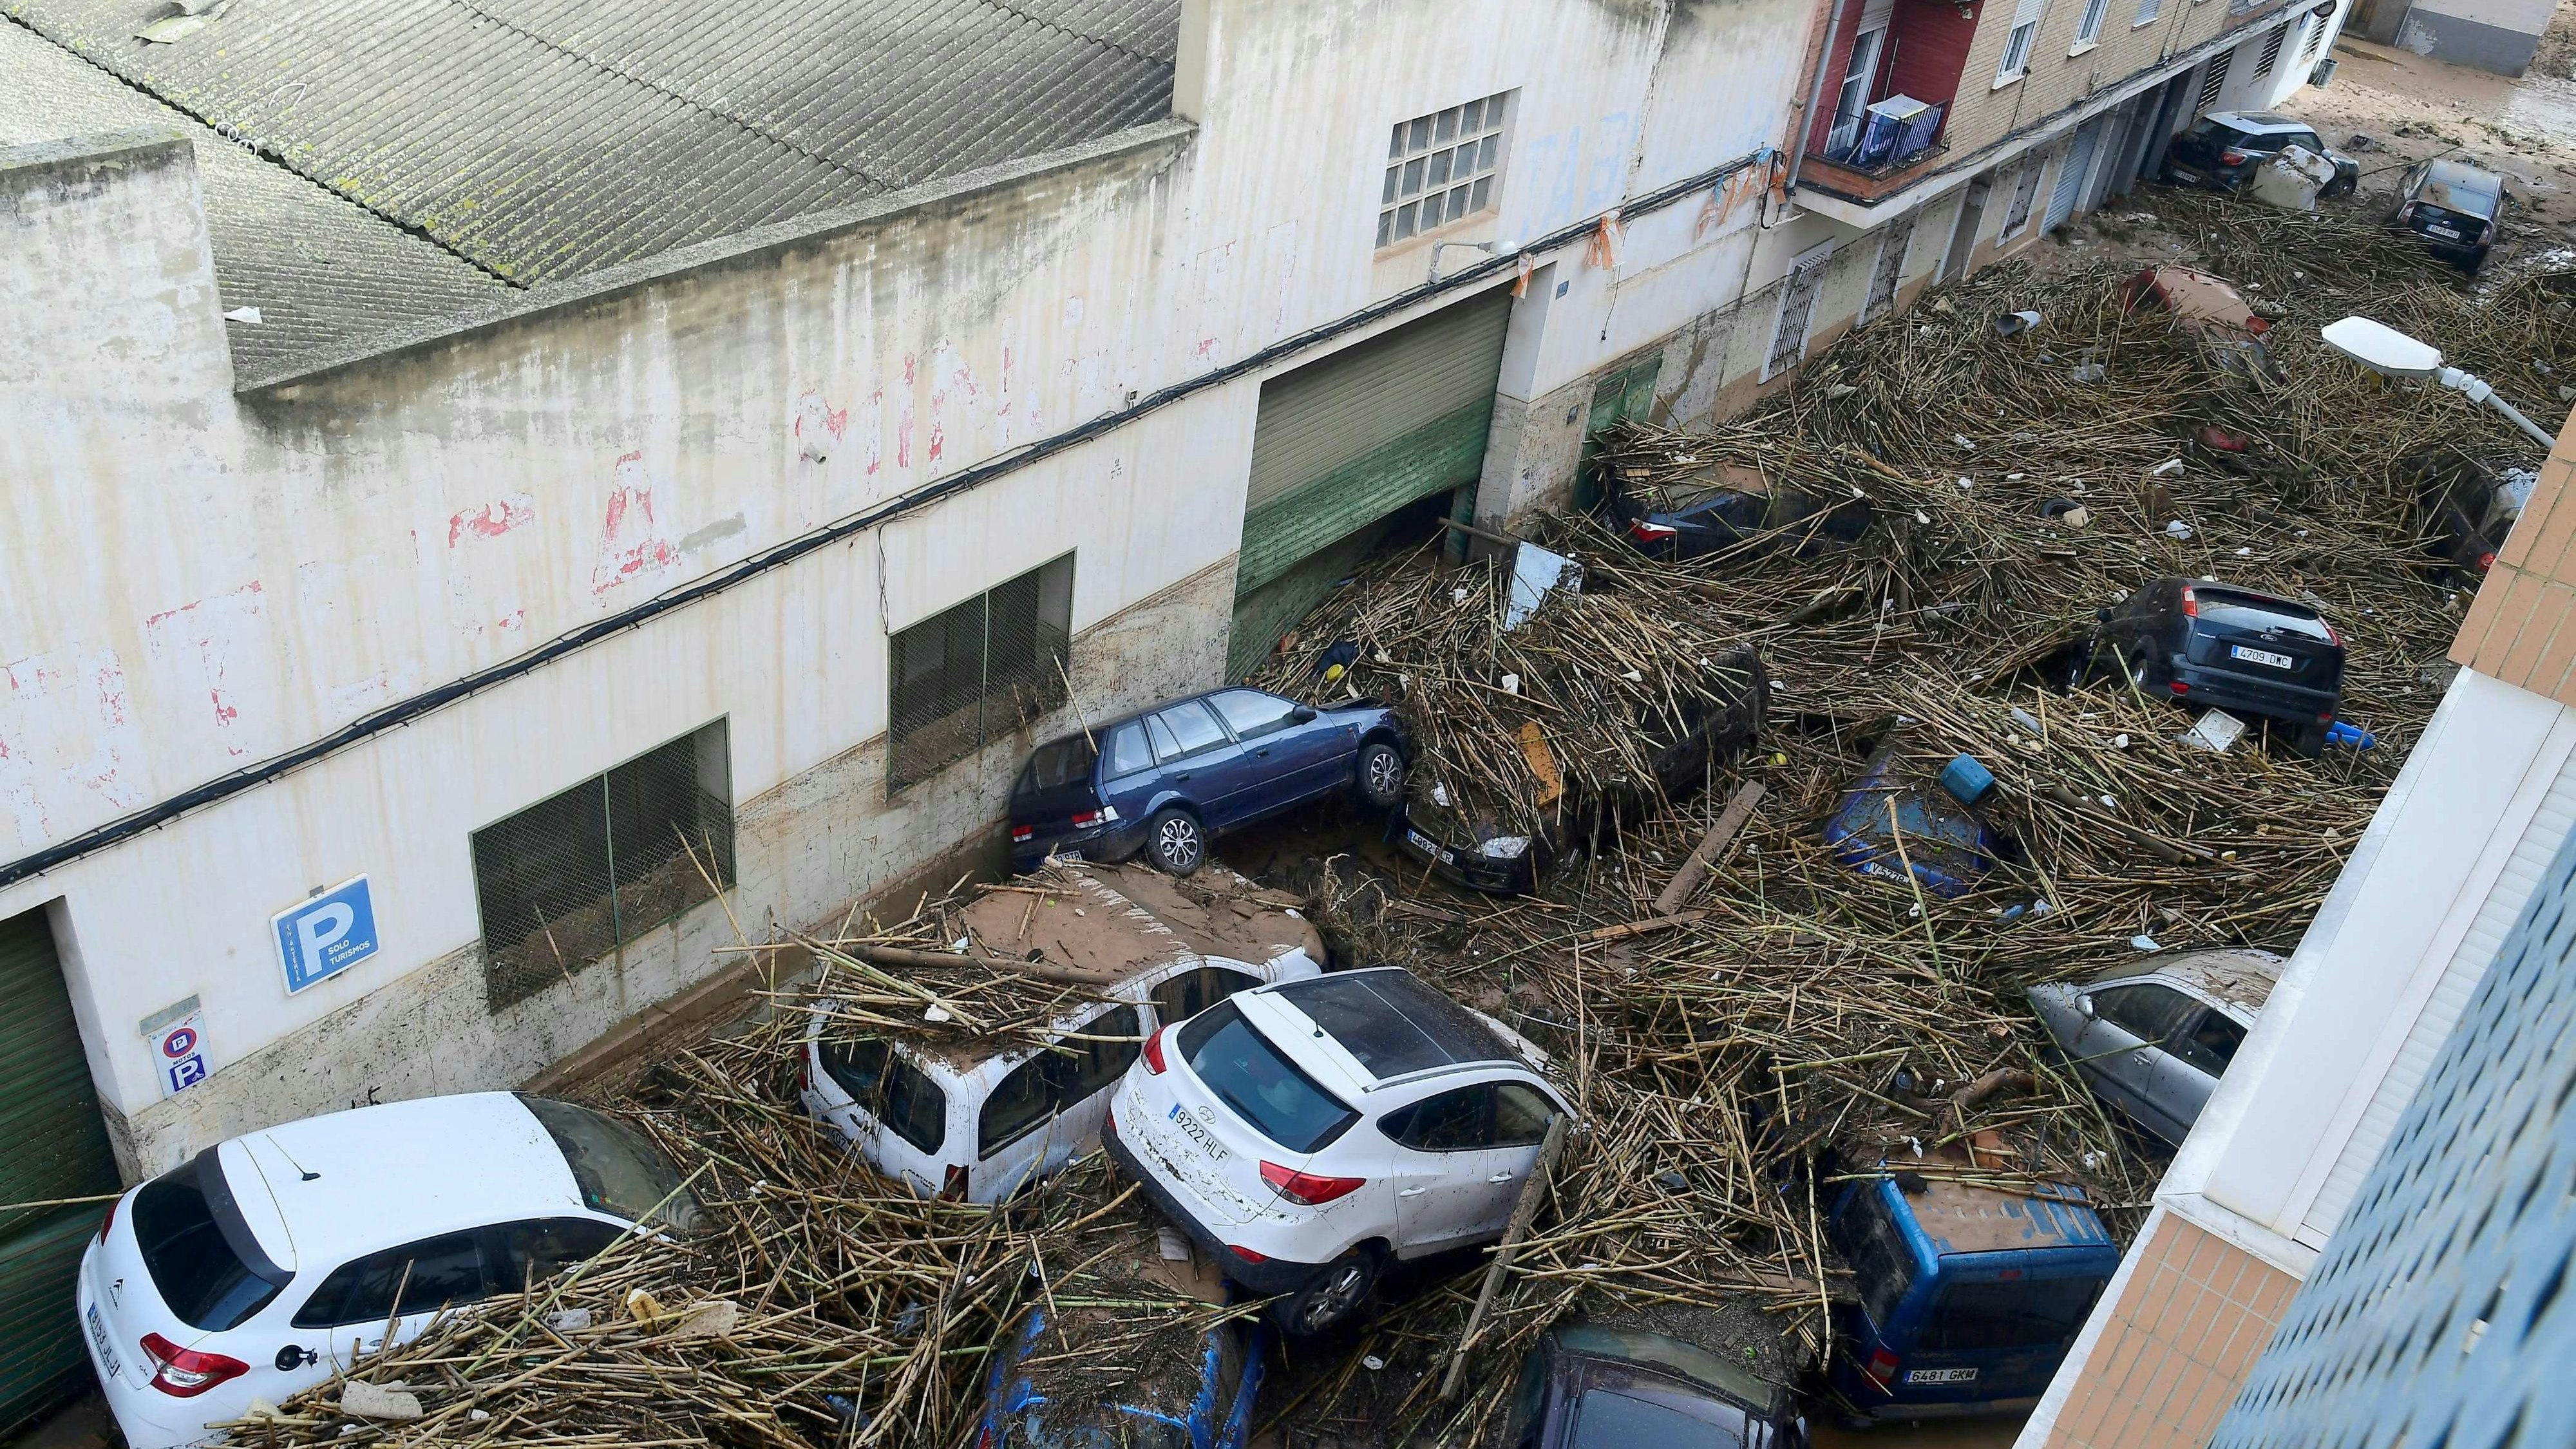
(2478, 390)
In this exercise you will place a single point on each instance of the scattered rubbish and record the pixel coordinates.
(1372, 1362)
(2217, 731)
(2013, 323)
(2177, 529)
(2291, 180)
(570, 1320)
(2343, 732)
(2144, 943)
(1962, 440)
(2027, 720)
(2169, 465)
(2087, 372)
(1535, 573)
(1671, 1179)
(249, 315)
(1511, 684)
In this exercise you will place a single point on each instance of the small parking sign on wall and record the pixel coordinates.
(178, 1037)
(322, 937)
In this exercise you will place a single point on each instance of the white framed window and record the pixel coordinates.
(1851, 102)
(2147, 10)
(1441, 168)
(2089, 29)
(2025, 28)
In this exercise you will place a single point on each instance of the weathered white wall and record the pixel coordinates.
(201, 580)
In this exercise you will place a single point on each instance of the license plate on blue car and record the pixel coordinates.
(1426, 844)
(1941, 1376)
(2261, 656)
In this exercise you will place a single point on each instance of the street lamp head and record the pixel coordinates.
(2383, 349)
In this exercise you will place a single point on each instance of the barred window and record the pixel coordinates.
(1440, 168)
(566, 882)
(978, 673)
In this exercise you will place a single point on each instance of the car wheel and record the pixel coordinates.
(1381, 774)
(1174, 841)
(1335, 1293)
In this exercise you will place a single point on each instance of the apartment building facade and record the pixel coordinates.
(2474, 831)
(1941, 137)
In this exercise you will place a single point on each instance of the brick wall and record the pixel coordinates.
(2194, 1314)
(2522, 628)
(2058, 75)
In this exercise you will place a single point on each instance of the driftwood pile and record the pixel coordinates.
(1752, 1043)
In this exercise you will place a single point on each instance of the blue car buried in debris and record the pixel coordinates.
(1891, 822)
(1164, 781)
(1212, 1412)
(1969, 1296)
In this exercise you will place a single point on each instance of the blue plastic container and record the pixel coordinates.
(1966, 780)
(2340, 733)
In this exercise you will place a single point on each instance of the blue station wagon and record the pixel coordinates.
(1164, 781)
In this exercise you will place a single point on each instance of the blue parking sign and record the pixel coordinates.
(322, 937)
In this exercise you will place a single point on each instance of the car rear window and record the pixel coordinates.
(894, 1091)
(2253, 611)
(618, 1169)
(200, 1253)
(2218, 132)
(1627, 1417)
(1882, 1263)
(1263, 1087)
(2016, 1313)
(1392, 1023)
(1056, 765)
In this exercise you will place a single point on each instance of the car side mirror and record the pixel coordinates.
(2084, 1004)
(1302, 714)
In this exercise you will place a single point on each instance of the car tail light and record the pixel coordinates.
(1247, 1255)
(1154, 1054)
(1023, 832)
(2190, 603)
(1306, 1189)
(2326, 718)
(184, 1373)
(954, 1185)
(1644, 532)
(2232, 157)
(1089, 818)
(2405, 213)
(2486, 232)
(2486, 561)
(1881, 1367)
(2179, 687)
(110, 1220)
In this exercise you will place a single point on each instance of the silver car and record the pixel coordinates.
(2153, 1038)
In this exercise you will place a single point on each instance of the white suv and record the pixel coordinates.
(1305, 1133)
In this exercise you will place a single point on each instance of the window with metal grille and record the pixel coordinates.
(566, 882)
(978, 673)
(1441, 168)
(2025, 190)
(2316, 38)
(2271, 55)
(2216, 79)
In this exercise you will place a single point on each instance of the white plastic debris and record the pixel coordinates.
(1511, 684)
(1965, 484)
(2144, 943)
(1457, 596)
(1962, 440)
(709, 1318)
(2169, 465)
(2245, 553)
(934, 1013)
(2119, 742)
(2217, 732)
(2178, 529)
(1174, 1247)
(1440, 794)
(571, 1320)
(1922, 517)
(249, 316)
(1371, 1362)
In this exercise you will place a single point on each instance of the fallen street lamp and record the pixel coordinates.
(2391, 353)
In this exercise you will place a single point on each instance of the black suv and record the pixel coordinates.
(2218, 646)
(2223, 150)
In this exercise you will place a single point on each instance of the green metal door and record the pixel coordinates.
(56, 1148)
(1344, 442)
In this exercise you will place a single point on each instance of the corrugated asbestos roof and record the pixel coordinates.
(546, 138)
(323, 272)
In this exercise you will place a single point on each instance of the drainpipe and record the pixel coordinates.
(1807, 113)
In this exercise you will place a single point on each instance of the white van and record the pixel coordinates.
(976, 1119)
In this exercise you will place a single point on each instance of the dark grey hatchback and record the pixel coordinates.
(1166, 780)
(1591, 1387)
(2218, 646)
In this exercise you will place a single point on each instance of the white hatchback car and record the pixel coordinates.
(1305, 1134)
(977, 1120)
(266, 1263)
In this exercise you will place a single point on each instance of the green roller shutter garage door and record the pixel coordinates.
(1344, 442)
(57, 1148)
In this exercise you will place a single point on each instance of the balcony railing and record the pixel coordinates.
(1894, 134)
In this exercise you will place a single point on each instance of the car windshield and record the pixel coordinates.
(200, 1253)
(1263, 1087)
(1054, 766)
(1635, 1415)
(2253, 611)
(618, 1169)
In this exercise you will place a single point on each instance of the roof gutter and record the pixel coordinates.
(402, 712)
